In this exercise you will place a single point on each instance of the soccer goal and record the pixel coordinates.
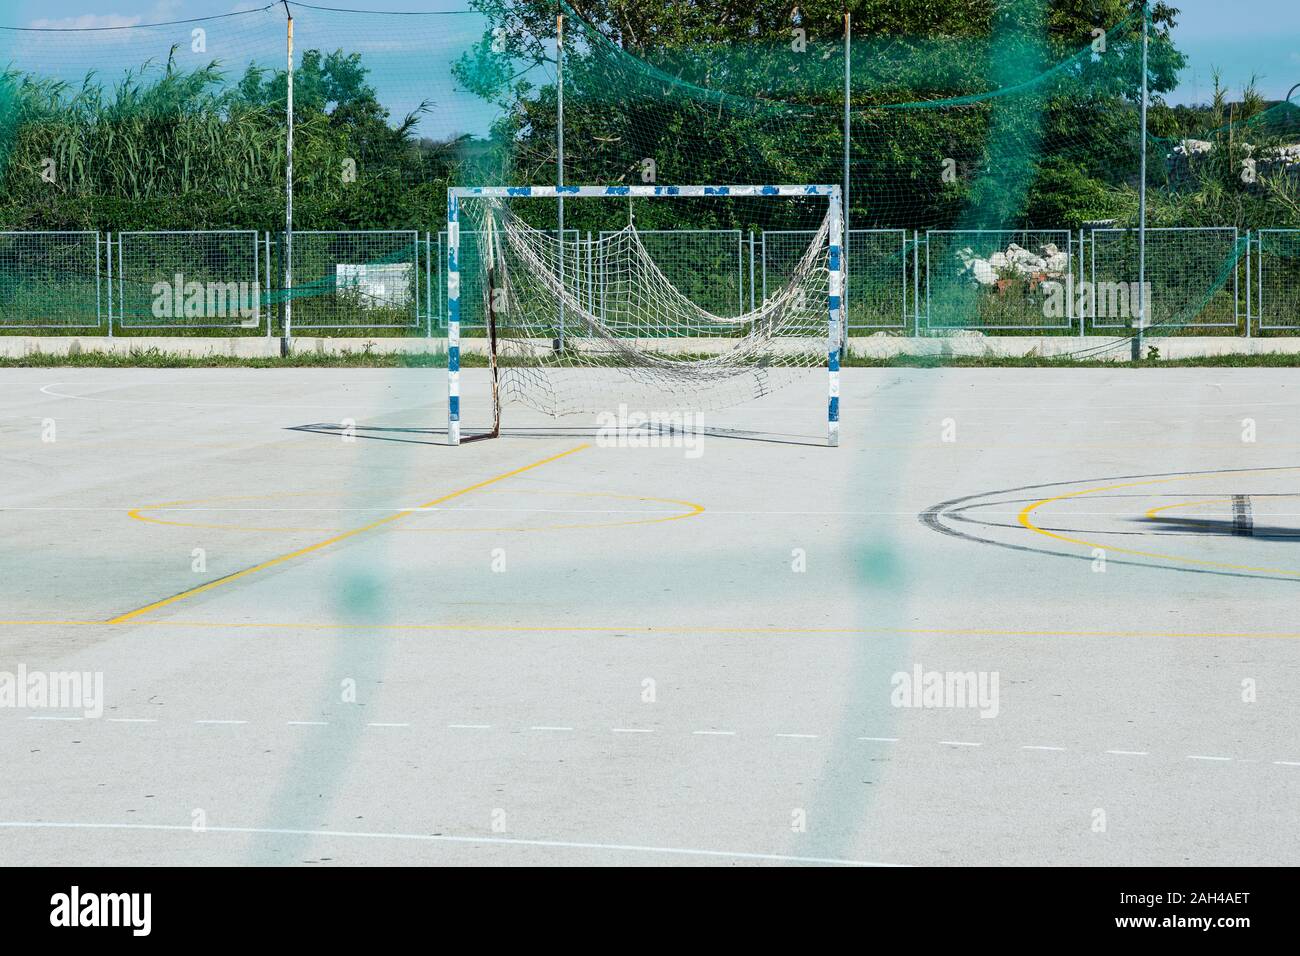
(587, 320)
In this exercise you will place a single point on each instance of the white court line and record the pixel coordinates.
(433, 838)
(646, 730)
(758, 409)
(984, 511)
(45, 390)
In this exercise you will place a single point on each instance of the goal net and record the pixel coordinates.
(583, 320)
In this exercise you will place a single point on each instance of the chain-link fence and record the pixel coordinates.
(999, 279)
(1277, 279)
(357, 279)
(706, 265)
(51, 280)
(876, 277)
(197, 279)
(1191, 278)
(472, 316)
(355, 282)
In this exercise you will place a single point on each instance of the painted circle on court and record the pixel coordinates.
(1237, 522)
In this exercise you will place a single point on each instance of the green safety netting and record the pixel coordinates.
(992, 162)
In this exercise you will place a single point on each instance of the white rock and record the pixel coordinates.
(1193, 147)
(984, 273)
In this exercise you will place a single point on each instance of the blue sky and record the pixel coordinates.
(1242, 38)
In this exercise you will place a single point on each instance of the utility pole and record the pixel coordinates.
(844, 290)
(288, 196)
(559, 156)
(1143, 318)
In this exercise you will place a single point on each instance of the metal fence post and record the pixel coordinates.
(1083, 277)
(266, 272)
(1248, 303)
(916, 280)
(752, 303)
(108, 252)
(287, 250)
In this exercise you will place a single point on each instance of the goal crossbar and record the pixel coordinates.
(834, 317)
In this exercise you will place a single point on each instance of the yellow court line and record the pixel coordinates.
(135, 513)
(387, 519)
(1026, 522)
(692, 510)
(667, 629)
(1152, 512)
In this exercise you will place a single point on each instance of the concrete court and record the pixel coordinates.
(609, 657)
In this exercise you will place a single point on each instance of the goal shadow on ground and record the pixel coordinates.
(438, 436)
(1223, 527)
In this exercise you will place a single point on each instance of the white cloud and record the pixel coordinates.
(87, 21)
(161, 12)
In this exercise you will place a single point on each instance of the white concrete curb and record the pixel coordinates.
(880, 345)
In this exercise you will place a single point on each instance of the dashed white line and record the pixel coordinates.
(543, 728)
(441, 838)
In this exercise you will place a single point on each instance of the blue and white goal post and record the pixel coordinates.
(834, 305)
